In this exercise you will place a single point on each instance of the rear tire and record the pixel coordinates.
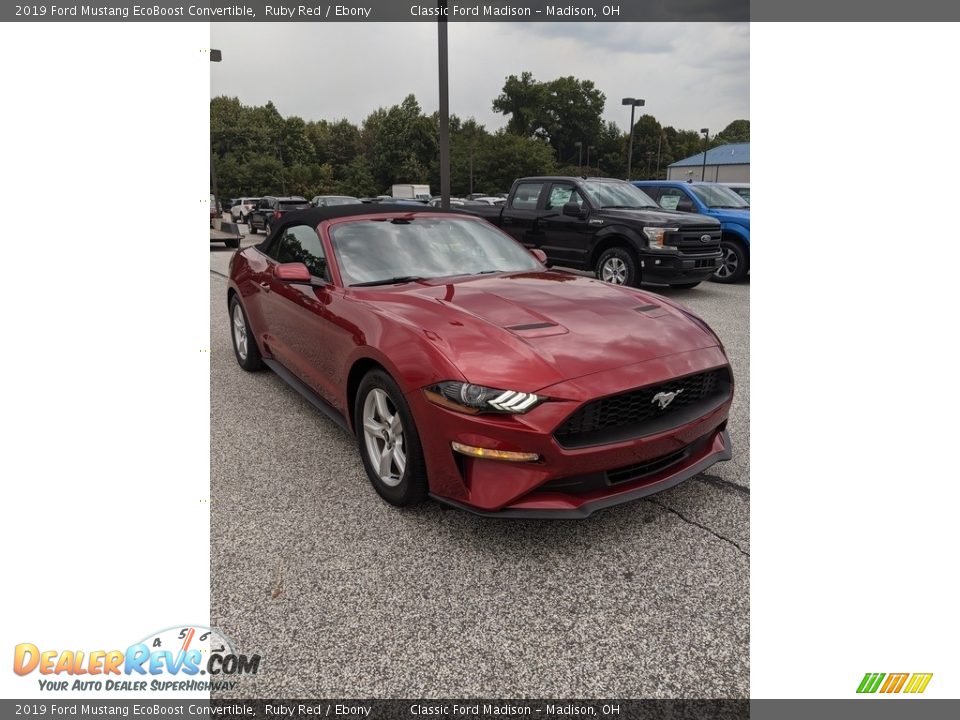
(251, 229)
(618, 266)
(734, 264)
(244, 344)
(388, 441)
(235, 243)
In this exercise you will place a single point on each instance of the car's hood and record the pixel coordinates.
(525, 331)
(657, 216)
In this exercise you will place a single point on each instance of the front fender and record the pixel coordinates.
(738, 230)
(635, 238)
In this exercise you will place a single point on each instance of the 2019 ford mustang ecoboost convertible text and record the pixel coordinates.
(469, 371)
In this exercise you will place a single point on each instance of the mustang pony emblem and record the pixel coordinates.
(665, 398)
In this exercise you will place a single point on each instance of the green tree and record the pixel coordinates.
(736, 132)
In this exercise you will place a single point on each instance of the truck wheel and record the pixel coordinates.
(618, 266)
(733, 266)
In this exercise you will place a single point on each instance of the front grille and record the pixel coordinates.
(687, 239)
(637, 412)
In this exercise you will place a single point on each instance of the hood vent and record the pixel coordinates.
(531, 326)
(651, 311)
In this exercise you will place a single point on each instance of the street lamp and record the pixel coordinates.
(579, 146)
(703, 172)
(633, 103)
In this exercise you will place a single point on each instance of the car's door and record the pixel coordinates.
(519, 218)
(300, 331)
(564, 238)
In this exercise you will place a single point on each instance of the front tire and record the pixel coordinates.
(388, 441)
(618, 266)
(244, 344)
(733, 267)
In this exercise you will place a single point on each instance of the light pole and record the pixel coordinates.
(579, 146)
(659, 143)
(649, 155)
(444, 105)
(703, 172)
(215, 56)
(633, 103)
(589, 148)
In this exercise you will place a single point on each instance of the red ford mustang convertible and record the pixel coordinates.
(470, 372)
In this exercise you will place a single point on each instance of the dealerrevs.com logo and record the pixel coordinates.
(911, 683)
(181, 658)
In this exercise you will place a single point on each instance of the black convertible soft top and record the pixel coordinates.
(315, 216)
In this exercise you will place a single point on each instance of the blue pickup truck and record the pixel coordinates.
(718, 202)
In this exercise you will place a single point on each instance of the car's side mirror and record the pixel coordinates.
(572, 209)
(295, 272)
(685, 205)
(540, 255)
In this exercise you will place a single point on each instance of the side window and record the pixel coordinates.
(527, 195)
(300, 243)
(560, 195)
(675, 199)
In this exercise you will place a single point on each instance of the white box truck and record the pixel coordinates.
(411, 192)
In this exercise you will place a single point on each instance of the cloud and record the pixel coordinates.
(691, 74)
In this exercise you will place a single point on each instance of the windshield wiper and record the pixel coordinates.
(388, 281)
(624, 207)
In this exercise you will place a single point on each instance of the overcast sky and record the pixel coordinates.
(692, 75)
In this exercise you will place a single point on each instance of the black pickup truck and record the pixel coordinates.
(609, 227)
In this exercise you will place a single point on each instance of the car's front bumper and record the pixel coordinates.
(570, 482)
(678, 269)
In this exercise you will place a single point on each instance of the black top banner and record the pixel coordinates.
(524, 11)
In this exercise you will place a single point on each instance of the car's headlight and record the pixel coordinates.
(477, 398)
(655, 236)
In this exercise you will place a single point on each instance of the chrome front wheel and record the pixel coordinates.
(614, 271)
(383, 437)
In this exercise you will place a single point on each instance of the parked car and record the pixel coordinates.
(468, 371)
(331, 200)
(241, 208)
(716, 201)
(270, 209)
(488, 200)
(609, 227)
(454, 202)
(741, 189)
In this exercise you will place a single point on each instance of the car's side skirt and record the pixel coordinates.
(318, 402)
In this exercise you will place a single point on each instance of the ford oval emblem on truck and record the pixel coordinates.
(705, 238)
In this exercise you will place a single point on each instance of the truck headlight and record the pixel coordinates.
(655, 237)
(474, 399)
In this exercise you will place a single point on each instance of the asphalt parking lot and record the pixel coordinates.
(345, 596)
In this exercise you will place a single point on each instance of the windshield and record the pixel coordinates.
(616, 194)
(370, 251)
(719, 196)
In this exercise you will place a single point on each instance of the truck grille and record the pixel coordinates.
(688, 241)
(637, 412)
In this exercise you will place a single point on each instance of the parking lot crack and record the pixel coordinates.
(699, 525)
